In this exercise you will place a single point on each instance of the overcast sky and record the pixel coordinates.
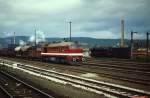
(90, 18)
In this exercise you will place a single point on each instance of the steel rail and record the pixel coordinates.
(87, 81)
(20, 81)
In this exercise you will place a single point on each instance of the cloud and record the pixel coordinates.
(98, 34)
(87, 16)
(44, 6)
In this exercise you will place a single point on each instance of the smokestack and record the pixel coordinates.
(14, 38)
(122, 33)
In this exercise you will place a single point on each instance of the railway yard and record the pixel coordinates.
(96, 59)
(94, 78)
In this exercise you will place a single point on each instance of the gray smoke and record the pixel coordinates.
(40, 37)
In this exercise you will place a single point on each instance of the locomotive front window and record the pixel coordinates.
(73, 47)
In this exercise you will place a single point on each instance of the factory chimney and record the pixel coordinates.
(14, 38)
(122, 33)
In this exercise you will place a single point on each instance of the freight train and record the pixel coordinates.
(62, 52)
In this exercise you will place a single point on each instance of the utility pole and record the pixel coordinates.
(35, 36)
(14, 38)
(70, 29)
(147, 43)
(132, 44)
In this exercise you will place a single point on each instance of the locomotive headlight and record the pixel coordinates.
(74, 59)
(83, 59)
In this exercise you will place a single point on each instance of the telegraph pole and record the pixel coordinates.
(35, 36)
(147, 43)
(131, 43)
(70, 29)
(14, 38)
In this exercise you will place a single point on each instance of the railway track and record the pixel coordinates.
(108, 89)
(117, 76)
(121, 63)
(15, 88)
(92, 85)
(143, 69)
(4, 93)
(117, 68)
(135, 67)
(108, 72)
(104, 72)
(125, 74)
(118, 61)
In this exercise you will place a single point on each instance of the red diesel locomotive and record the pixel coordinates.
(63, 52)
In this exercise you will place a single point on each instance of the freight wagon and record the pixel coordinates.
(113, 52)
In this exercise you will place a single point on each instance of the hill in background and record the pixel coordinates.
(90, 41)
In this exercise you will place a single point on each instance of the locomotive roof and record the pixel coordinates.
(61, 44)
